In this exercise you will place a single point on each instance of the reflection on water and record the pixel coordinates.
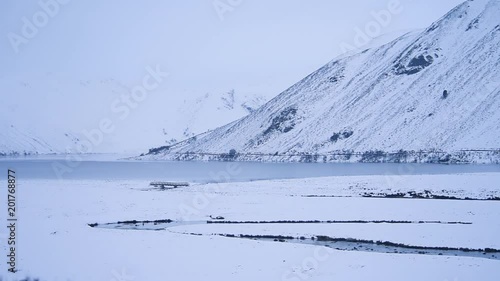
(342, 244)
(379, 247)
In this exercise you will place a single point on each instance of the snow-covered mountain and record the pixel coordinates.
(45, 114)
(203, 112)
(431, 90)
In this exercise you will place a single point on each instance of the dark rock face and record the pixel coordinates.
(341, 135)
(445, 94)
(421, 61)
(415, 65)
(284, 122)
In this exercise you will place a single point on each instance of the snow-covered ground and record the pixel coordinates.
(56, 243)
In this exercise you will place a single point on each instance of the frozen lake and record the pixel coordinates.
(107, 167)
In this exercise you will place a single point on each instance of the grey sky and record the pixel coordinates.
(257, 42)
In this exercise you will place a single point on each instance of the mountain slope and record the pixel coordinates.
(437, 89)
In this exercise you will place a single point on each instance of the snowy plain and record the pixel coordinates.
(56, 242)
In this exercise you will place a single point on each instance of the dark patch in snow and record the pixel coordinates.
(228, 100)
(284, 122)
(341, 135)
(415, 65)
(248, 108)
(157, 150)
(473, 25)
(335, 79)
(445, 94)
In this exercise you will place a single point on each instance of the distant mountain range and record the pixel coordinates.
(53, 114)
(427, 96)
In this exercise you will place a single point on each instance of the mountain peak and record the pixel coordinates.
(432, 90)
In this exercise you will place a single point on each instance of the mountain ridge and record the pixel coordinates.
(432, 91)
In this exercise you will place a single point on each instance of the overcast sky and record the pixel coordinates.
(202, 43)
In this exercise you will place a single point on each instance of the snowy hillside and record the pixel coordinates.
(58, 114)
(432, 90)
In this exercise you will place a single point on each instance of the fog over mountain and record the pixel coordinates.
(64, 63)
